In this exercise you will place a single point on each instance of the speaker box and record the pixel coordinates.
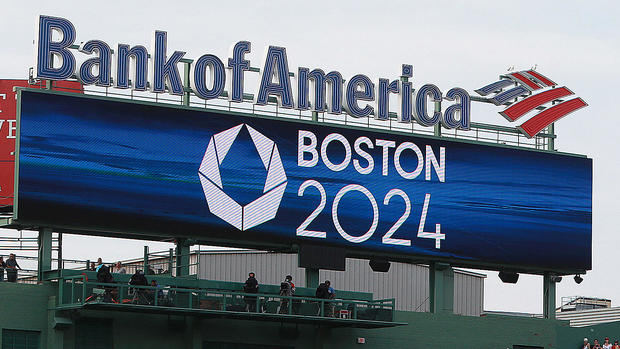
(321, 257)
(508, 277)
(382, 266)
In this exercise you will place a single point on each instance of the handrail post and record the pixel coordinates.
(290, 306)
(61, 292)
(83, 292)
(72, 291)
(257, 303)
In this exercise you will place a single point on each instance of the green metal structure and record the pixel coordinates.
(69, 309)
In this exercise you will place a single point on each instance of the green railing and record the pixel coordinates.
(76, 291)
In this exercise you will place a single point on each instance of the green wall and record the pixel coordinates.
(26, 307)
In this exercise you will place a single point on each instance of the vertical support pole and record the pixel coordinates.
(438, 125)
(312, 277)
(61, 264)
(170, 260)
(548, 297)
(48, 84)
(182, 250)
(145, 261)
(45, 252)
(186, 86)
(441, 288)
(551, 141)
(315, 116)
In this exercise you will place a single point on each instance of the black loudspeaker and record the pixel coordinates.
(321, 257)
(382, 266)
(509, 277)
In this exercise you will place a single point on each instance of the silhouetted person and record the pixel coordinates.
(287, 288)
(2, 267)
(11, 268)
(250, 286)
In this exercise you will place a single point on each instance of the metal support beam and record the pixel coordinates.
(312, 277)
(548, 297)
(315, 116)
(441, 288)
(170, 260)
(186, 83)
(182, 254)
(438, 124)
(61, 264)
(551, 140)
(45, 252)
(145, 261)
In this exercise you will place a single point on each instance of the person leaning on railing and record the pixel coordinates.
(287, 289)
(11, 268)
(325, 291)
(2, 267)
(250, 286)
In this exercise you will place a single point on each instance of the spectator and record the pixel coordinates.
(287, 288)
(104, 276)
(606, 344)
(332, 293)
(615, 346)
(99, 264)
(585, 345)
(92, 266)
(119, 268)
(2, 267)
(250, 286)
(159, 292)
(149, 270)
(325, 291)
(596, 344)
(11, 268)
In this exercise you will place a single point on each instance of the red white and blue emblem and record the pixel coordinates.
(525, 91)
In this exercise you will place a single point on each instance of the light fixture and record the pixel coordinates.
(555, 278)
(578, 279)
(509, 277)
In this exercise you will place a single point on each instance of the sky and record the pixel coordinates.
(449, 43)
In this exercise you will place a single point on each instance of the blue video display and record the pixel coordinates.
(110, 166)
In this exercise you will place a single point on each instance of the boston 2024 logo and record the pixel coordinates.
(221, 204)
(535, 91)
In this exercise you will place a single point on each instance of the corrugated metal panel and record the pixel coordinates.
(407, 283)
(581, 318)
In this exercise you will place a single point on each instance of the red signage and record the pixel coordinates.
(8, 127)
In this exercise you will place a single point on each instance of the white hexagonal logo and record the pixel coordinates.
(220, 204)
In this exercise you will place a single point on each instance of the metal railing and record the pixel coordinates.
(77, 291)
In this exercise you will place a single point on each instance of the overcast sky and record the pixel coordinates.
(449, 43)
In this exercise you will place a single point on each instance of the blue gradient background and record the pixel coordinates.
(108, 166)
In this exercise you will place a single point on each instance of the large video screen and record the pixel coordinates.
(111, 166)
